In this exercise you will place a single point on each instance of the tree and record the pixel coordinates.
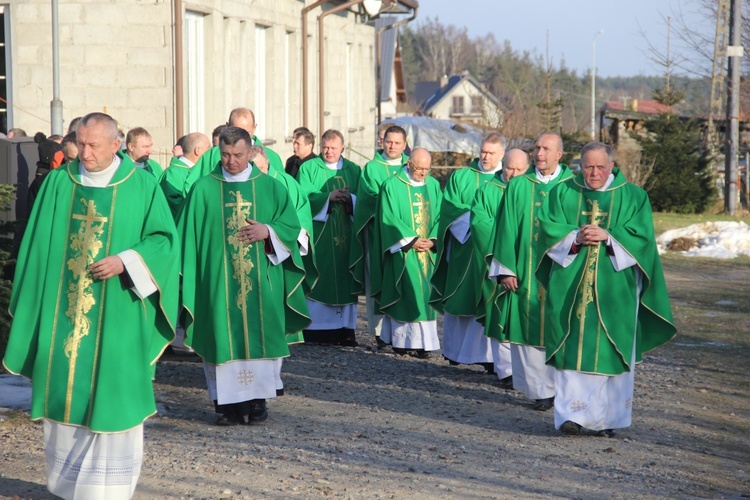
(681, 180)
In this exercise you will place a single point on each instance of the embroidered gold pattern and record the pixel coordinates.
(85, 245)
(422, 227)
(241, 262)
(596, 216)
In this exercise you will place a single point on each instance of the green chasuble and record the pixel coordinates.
(208, 161)
(302, 208)
(172, 182)
(484, 212)
(332, 238)
(90, 346)
(375, 173)
(402, 290)
(516, 246)
(152, 167)
(239, 305)
(457, 280)
(590, 320)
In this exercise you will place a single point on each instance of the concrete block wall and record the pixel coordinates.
(117, 56)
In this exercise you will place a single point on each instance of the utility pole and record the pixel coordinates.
(734, 52)
(56, 105)
(593, 85)
(717, 74)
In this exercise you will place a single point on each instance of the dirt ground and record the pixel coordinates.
(356, 423)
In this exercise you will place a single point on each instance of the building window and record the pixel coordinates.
(476, 105)
(194, 70)
(458, 105)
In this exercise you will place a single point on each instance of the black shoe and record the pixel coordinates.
(421, 354)
(400, 352)
(507, 382)
(450, 361)
(380, 343)
(606, 433)
(570, 428)
(258, 412)
(489, 368)
(349, 343)
(544, 404)
(226, 421)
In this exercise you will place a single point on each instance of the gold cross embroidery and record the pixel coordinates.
(241, 263)
(85, 245)
(421, 226)
(596, 216)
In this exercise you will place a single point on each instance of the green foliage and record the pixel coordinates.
(7, 194)
(681, 178)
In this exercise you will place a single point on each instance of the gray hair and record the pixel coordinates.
(597, 146)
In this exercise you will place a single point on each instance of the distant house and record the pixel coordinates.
(461, 98)
(618, 119)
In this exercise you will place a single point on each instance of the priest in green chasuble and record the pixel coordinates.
(242, 281)
(606, 301)
(515, 256)
(94, 304)
(484, 209)
(172, 181)
(138, 145)
(458, 277)
(407, 227)
(387, 162)
(330, 182)
(243, 118)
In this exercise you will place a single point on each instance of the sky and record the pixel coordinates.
(621, 50)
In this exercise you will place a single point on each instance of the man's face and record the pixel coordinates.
(96, 146)
(177, 151)
(70, 150)
(547, 153)
(491, 154)
(514, 167)
(381, 138)
(301, 148)
(332, 149)
(419, 167)
(246, 123)
(140, 150)
(394, 145)
(596, 168)
(234, 158)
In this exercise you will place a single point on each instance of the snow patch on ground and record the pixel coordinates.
(718, 240)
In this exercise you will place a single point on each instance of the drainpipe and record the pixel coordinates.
(380, 50)
(321, 60)
(179, 120)
(305, 10)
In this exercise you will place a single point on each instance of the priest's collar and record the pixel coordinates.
(393, 161)
(498, 168)
(412, 181)
(546, 178)
(335, 166)
(100, 178)
(186, 161)
(606, 185)
(241, 177)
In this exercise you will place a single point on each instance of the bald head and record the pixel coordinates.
(194, 145)
(242, 118)
(516, 163)
(420, 163)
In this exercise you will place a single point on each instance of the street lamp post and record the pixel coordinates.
(593, 85)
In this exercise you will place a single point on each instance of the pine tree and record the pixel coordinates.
(681, 176)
